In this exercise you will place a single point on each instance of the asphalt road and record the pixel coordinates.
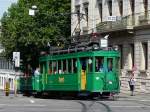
(31, 104)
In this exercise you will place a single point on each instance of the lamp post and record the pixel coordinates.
(32, 10)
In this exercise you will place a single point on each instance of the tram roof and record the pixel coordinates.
(109, 53)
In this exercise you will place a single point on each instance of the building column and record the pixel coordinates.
(137, 57)
(115, 11)
(125, 53)
(148, 59)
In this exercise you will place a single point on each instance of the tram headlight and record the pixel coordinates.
(95, 47)
(116, 48)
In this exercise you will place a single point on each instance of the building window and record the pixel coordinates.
(110, 7)
(121, 7)
(132, 4)
(6, 64)
(86, 12)
(144, 56)
(145, 6)
(101, 11)
(78, 14)
(77, 29)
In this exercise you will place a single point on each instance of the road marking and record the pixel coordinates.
(32, 101)
(145, 100)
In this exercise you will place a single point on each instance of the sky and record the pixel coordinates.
(4, 4)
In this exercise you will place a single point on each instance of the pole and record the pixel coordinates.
(15, 82)
(15, 86)
(7, 86)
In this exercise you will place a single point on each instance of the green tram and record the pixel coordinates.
(92, 72)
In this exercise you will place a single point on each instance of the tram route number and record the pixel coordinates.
(61, 79)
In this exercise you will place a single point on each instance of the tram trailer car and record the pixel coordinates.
(91, 72)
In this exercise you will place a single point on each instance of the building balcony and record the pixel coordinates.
(127, 23)
(144, 19)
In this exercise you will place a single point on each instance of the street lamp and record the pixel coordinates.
(32, 10)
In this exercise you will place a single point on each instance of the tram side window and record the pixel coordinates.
(99, 64)
(64, 66)
(50, 68)
(110, 64)
(74, 65)
(69, 65)
(90, 65)
(54, 67)
(59, 67)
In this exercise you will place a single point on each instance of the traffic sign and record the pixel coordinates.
(16, 58)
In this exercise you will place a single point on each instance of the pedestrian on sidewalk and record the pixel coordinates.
(132, 84)
(37, 72)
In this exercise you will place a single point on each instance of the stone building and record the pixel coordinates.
(127, 22)
(6, 70)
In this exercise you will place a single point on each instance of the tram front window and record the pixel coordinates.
(110, 64)
(99, 64)
(83, 64)
(90, 65)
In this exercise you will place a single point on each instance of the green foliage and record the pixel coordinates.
(30, 34)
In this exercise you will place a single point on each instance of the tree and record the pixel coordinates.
(30, 34)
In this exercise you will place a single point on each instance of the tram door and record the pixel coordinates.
(43, 73)
(110, 74)
(83, 73)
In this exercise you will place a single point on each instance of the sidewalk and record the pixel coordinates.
(11, 94)
(136, 97)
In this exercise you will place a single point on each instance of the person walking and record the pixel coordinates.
(132, 84)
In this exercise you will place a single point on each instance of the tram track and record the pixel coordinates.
(108, 109)
(136, 103)
(89, 108)
(84, 106)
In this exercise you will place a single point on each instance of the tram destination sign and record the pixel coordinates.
(104, 43)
